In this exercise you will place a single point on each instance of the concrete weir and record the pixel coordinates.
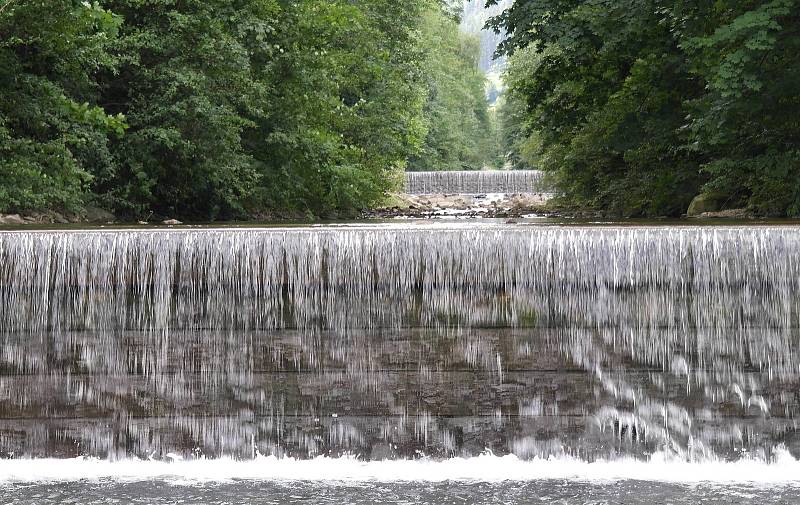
(474, 182)
(391, 341)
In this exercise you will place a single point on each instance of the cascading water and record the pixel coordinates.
(474, 182)
(391, 341)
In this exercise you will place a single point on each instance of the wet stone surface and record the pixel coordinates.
(392, 342)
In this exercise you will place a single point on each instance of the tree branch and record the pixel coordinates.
(3, 7)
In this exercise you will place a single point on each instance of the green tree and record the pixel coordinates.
(224, 109)
(603, 83)
(517, 148)
(746, 122)
(459, 126)
(53, 137)
(188, 81)
(637, 106)
(347, 105)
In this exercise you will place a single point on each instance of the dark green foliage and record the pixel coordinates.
(187, 81)
(221, 109)
(51, 138)
(636, 106)
(347, 104)
(747, 123)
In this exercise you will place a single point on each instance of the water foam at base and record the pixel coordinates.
(485, 468)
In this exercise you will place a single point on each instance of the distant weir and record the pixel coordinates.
(474, 182)
(395, 341)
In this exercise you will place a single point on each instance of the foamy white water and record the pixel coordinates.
(485, 468)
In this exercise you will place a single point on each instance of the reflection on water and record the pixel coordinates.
(392, 342)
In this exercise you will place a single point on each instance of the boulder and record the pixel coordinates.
(11, 219)
(705, 202)
(98, 215)
(728, 214)
(59, 218)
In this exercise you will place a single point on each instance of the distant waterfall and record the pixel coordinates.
(474, 182)
(387, 341)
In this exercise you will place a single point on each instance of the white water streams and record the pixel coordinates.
(714, 279)
(484, 468)
(393, 341)
(474, 182)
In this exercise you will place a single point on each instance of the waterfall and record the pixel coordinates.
(389, 340)
(474, 182)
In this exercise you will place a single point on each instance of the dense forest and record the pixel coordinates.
(637, 106)
(241, 109)
(459, 124)
(226, 109)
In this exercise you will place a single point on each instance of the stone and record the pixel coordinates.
(11, 219)
(705, 202)
(59, 218)
(98, 215)
(381, 452)
(727, 214)
(171, 222)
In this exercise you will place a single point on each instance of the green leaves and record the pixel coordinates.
(53, 133)
(95, 116)
(347, 104)
(459, 129)
(103, 20)
(636, 106)
(225, 109)
(731, 57)
(189, 84)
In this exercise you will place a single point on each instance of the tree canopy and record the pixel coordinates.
(226, 109)
(636, 106)
(457, 119)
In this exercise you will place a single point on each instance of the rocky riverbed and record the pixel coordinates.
(496, 205)
(399, 205)
(88, 215)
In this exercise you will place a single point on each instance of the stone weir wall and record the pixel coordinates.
(474, 182)
(397, 341)
(392, 276)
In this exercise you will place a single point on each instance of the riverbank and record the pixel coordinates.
(492, 205)
(500, 205)
(397, 206)
(90, 215)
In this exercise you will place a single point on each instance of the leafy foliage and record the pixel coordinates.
(51, 138)
(637, 106)
(226, 109)
(459, 127)
(188, 83)
(347, 104)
